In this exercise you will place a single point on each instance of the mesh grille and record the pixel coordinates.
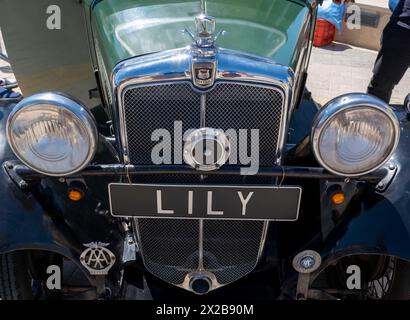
(228, 106)
(171, 247)
(231, 248)
(147, 109)
(240, 106)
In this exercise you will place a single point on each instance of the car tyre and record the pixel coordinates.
(15, 281)
(400, 287)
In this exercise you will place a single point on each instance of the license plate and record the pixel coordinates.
(205, 201)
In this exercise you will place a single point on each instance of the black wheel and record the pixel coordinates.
(15, 281)
(382, 278)
(23, 276)
(394, 283)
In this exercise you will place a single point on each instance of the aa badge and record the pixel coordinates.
(97, 259)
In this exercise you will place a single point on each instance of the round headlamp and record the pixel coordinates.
(354, 134)
(52, 134)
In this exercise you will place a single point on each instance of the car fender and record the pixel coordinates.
(27, 224)
(24, 224)
(379, 223)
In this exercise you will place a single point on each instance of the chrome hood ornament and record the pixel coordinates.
(204, 51)
(204, 35)
(204, 31)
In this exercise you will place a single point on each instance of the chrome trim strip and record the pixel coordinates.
(265, 233)
(201, 221)
(203, 110)
(201, 245)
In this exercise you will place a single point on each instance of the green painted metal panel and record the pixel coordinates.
(274, 29)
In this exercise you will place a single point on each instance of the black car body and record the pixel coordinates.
(303, 249)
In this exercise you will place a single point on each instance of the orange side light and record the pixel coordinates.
(338, 198)
(75, 195)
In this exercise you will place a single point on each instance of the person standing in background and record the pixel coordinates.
(393, 59)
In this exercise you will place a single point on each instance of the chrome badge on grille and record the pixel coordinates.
(203, 74)
(206, 149)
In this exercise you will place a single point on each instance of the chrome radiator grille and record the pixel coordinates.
(173, 248)
(228, 106)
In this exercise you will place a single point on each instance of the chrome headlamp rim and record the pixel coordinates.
(341, 104)
(70, 104)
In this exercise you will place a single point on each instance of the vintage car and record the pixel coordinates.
(170, 150)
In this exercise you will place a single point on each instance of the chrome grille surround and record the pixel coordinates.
(175, 65)
(176, 249)
(230, 105)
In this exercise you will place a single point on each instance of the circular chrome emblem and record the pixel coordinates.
(206, 149)
(307, 261)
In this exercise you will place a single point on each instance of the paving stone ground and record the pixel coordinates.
(339, 68)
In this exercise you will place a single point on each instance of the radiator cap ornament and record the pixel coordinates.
(204, 51)
(206, 149)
